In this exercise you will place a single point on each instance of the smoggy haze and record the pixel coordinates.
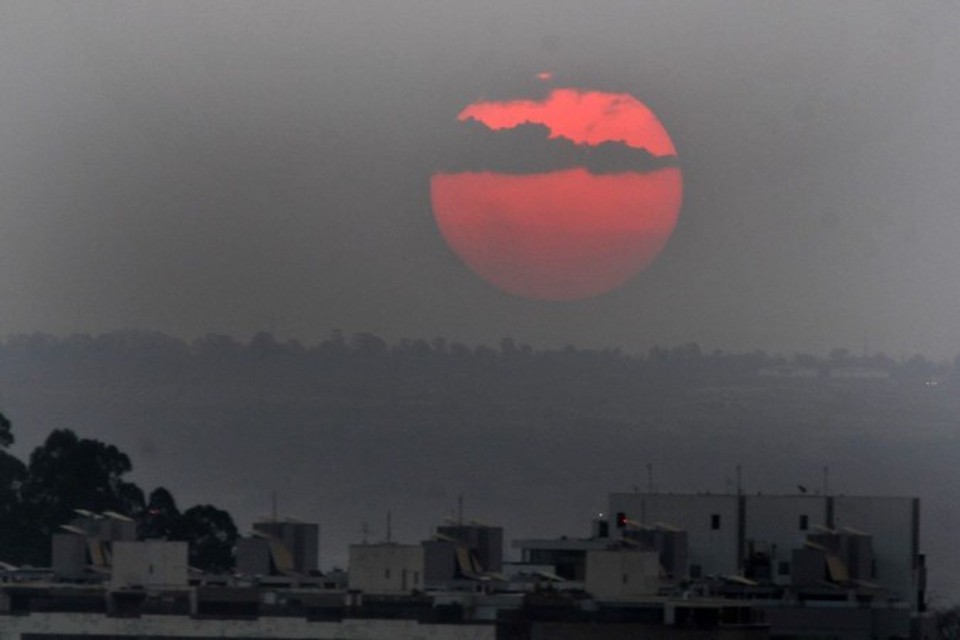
(231, 167)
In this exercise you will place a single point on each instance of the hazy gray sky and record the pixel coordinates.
(231, 167)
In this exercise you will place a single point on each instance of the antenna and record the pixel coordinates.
(649, 477)
(826, 480)
(739, 479)
(273, 505)
(389, 527)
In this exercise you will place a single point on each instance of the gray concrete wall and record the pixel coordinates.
(69, 555)
(75, 624)
(150, 563)
(439, 561)
(486, 542)
(253, 556)
(891, 522)
(716, 551)
(566, 631)
(841, 623)
(388, 569)
(776, 520)
(622, 575)
(302, 540)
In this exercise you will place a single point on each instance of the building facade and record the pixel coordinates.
(734, 534)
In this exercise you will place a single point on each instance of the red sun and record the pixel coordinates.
(564, 232)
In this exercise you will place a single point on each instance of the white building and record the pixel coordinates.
(152, 563)
(386, 569)
(711, 521)
(778, 525)
(723, 530)
(894, 524)
(622, 574)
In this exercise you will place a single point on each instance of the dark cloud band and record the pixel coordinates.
(528, 149)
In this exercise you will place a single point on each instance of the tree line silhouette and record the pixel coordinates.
(67, 473)
(352, 363)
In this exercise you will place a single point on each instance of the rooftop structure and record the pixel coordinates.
(386, 569)
(279, 548)
(739, 565)
(733, 534)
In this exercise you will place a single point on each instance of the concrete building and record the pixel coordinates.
(894, 524)
(483, 541)
(279, 548)
(670, 543)
(147, 564)
(75, 626)
(301, 540)
(622, 574)
(386, 569)
(816, 565)
(459, 556)
(69, 556)
(67, 612)
(108, 526)
(254, 557)
(84, 546)
(567, 556)
(875, 539)
(441, 564)
(773, 527)
(712, 523)
(608, 568)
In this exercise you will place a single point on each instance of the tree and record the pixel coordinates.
(6, 436)
(368, 345)
(839, 355)
(13, 537)
(67, 473)
(209, 531)
(212, 536)
(13, 473)
(161, 518)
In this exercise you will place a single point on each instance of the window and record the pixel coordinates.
(695, 571)
(804, 522)
(715, 521)
(783, 568)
